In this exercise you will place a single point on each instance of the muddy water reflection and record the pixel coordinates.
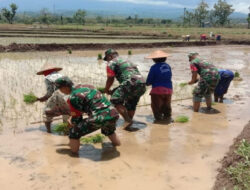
(175, 156)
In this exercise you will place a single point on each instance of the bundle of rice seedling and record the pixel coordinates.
(129, 52)
(98, 138)
(99, 56)
(183, 84)
(182, 119)
(237, 76)
(29, 98)
(69, 51)
(101, 89)
(61, 128)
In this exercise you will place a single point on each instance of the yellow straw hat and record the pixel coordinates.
(157, 54)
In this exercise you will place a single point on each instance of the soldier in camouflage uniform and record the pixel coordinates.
(56, 104)
(132, 85)
(87, 99)
(209, 77)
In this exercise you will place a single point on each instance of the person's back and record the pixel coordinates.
(226, 73)
(124, 70)
(88, 99)
(160, 75)
(205, 69)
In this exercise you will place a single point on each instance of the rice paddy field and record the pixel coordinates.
(179, 156)
(65, 34)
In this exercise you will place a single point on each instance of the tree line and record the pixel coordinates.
(218, 16)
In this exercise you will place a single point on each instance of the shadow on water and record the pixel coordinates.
(89, 151)
(228, 101)
(209, 111)
(42, 128)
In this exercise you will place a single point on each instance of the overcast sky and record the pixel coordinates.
(239, 5)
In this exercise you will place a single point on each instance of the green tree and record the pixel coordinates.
(99, 19)
(201, 13)
(10, 14)
(79, 17)
(222, 10)
(44, 16)
(189, 18)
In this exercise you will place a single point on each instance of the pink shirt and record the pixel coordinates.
(161, 90)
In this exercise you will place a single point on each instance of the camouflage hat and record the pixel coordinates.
(63, 81)
(192, 54)
(109, 52)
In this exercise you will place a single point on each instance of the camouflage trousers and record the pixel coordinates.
(204, 89)
(128, 95)
(56, 106)
(104, 120)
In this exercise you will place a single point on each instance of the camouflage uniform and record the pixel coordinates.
(132, 84)
(56, 104)
(86, 99)
(209, 77)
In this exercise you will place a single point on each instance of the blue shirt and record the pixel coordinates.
(160, 75)
(226, 73)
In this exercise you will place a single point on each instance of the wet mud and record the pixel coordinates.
(100, 46)
(157, 156)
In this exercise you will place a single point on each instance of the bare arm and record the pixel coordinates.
(194, 78)
(109, 83)
(50, 90)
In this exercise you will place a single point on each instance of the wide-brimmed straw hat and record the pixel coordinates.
(48, 67)
(157, 54)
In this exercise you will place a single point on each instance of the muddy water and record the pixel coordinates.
(175, 156)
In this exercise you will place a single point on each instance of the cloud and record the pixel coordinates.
(151, 2)
(240, 6)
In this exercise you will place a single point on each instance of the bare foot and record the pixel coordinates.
(127, 126)
(115, 140)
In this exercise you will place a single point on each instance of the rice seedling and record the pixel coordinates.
(237, 74)
(183, 84)
(129, 52)
(101, 89)
(69, 51)
(181, 119)
(240, 171)
(61, 128)
(99, 57)
(29, 98)
(98, 138)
